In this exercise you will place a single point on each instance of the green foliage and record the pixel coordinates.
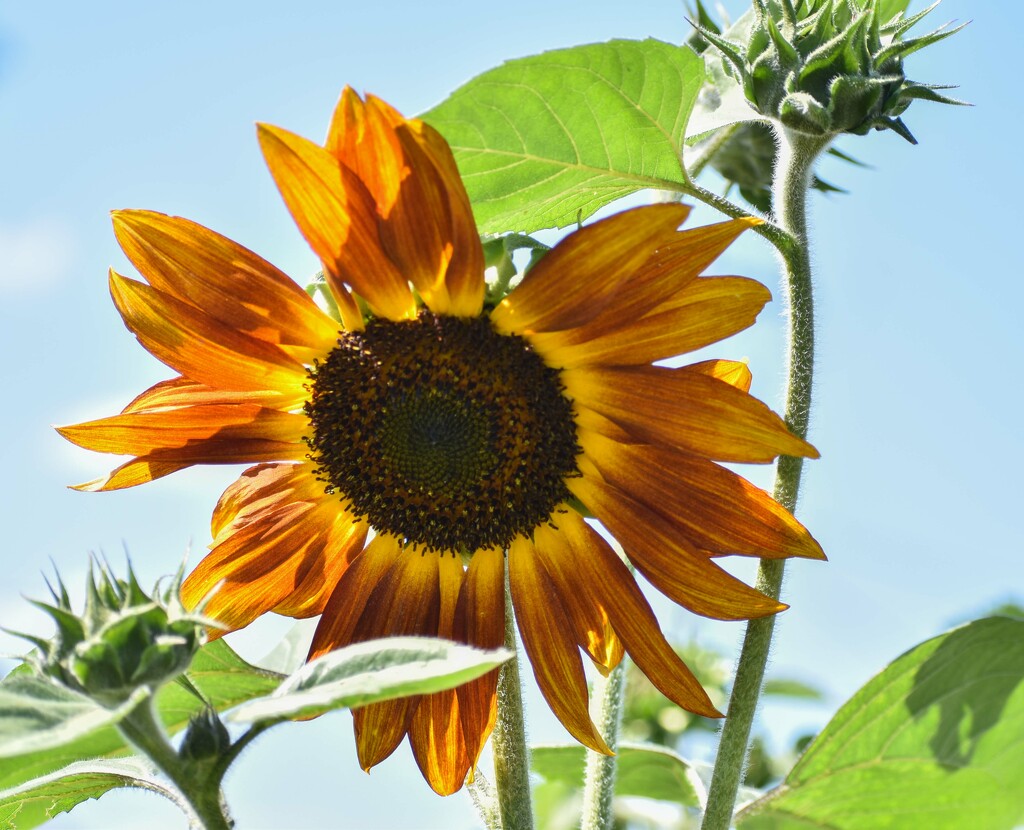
(369, 672)
(545, 141)
(39, 800)
(124, 640)
(824, 67)
(936, 740)
(57, 744)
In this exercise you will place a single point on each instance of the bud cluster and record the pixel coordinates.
(123, 640)
(824, 67)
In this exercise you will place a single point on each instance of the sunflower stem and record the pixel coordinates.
(200, 794)
(792, 178)
(599, 781)
(511, 755)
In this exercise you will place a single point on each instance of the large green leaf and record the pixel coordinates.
(369, 672)
(545, 141)
(643, 770)
(217, 673)
(935, 741)
(36, 802)
(37, 715)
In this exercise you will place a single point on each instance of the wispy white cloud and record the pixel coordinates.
(33, 256)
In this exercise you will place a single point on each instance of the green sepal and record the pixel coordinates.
(801, 112)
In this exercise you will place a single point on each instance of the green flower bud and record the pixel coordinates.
(824, 67)
(123, 640)
(206, 738)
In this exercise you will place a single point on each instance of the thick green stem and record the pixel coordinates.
(797, 154)
(511, 756)
(599, 783)
(202, 797)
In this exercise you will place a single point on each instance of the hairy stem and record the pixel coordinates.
(202, 802)
(599, 782)
(511, 756)
(797, 154)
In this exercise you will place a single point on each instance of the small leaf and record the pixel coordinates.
(936, 740)
(545, 141)
(643, 770)
(37, 801)
(370, 672)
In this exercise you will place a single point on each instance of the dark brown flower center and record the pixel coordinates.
(442, 431)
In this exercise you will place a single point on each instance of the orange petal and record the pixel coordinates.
(139, 433)
(421, 224)
(595, 570)
(672, 566)
(159, 463)
(181, 391)
(201, 347)
(550, 643)
(406, 602)
(734, 372)
(435, 733)
(706, 311)
(594, 632)
(713, 508)
(287, 559)
(583, 274)
(480, 621)
(260, 488)
(686, 409)
(229, 282)
(339, 219)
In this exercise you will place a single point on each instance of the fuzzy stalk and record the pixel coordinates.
(201, 799)
(608, 700)
(511, 755)
(792, 178)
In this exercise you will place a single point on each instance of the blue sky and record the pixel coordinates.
(916, 498)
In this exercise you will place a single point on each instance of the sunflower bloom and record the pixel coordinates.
(466, 438)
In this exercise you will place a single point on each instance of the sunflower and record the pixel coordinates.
(459, 437)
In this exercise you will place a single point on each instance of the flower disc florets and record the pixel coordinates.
(441, 431)
(824, 67)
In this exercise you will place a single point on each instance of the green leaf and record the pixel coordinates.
(545, 141)
(39, 800)
(888, 9)
(37, 714)
(787, 687)
(370, 672)
(935, 741)
(217, 673)
(644, 770)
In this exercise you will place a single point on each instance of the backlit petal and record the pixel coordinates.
(201, 347)
(338, 217)
(550, 643)
(672, 566)
(596, 571)
(706, 311)
(686, 409)
(713, 508)
(582, 275)
(229, 282)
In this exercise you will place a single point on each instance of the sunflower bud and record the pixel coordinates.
(824, 67)
(206, 738)
(124, 639)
